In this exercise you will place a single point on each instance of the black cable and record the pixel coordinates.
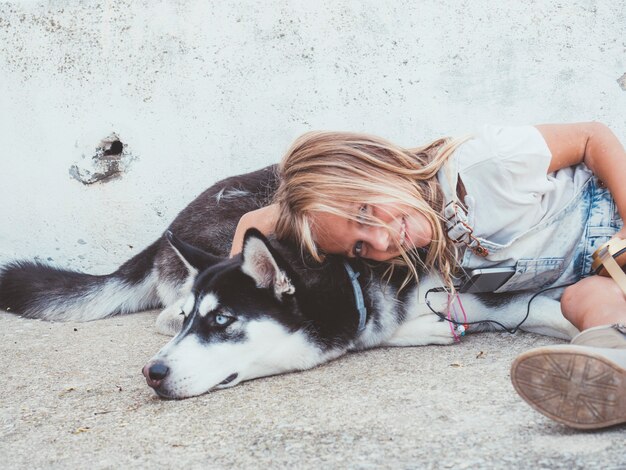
(479, 322)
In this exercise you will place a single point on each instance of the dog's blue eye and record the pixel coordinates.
(222, 319)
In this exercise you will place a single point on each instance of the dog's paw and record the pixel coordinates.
(421, 331)
(430, 329)
(170, 321)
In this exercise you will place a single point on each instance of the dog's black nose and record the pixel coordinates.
(158, 371)
(154, 373)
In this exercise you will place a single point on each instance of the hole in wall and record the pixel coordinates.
(115, 148)
(110, 161)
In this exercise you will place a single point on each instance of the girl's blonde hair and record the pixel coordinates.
(332, 172)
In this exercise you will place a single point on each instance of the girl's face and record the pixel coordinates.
(408, 229)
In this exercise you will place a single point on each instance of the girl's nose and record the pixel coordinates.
(380, 238)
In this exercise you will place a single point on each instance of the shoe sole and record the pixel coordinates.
(572, 385)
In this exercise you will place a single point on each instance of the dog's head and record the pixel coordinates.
(242, 320)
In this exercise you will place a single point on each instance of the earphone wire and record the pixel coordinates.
(480, 322)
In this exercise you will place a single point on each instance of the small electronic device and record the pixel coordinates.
(486, 280)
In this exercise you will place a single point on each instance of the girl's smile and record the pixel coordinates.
(404, 230)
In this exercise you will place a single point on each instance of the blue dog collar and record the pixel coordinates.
(358, 296)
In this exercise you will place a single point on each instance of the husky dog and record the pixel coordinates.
(267, 311)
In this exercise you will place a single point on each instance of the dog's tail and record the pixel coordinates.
(37, 290)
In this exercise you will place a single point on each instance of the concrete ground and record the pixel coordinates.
(73, 397)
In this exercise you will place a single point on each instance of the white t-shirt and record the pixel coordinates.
(505, 170)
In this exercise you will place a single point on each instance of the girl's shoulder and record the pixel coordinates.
(504, 146)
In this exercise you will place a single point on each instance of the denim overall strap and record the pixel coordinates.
(455, 214)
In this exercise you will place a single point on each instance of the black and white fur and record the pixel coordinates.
(266, 311)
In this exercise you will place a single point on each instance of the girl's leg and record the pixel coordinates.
(594, 301)
(583, 384)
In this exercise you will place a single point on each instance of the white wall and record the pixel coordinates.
(199, 90)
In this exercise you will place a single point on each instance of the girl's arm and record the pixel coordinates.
(595, 145)
(263, 219)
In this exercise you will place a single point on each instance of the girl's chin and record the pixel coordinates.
(416, 238)
(421, 242)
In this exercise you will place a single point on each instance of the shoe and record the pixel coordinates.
(606, 336)
(582, 387)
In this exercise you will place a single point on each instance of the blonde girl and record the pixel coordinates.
(540, 199)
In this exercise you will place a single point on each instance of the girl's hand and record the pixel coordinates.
(263, 219)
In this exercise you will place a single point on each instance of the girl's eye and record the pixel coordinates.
(222, 319)
(363, 210)
(358, 249)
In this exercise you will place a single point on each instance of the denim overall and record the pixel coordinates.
(556, 251)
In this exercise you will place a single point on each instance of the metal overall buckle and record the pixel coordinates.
(459, 230)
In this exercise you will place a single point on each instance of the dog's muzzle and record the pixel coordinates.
(156, 372)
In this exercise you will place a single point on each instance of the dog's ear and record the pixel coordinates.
(262, 264)
(193, 258)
